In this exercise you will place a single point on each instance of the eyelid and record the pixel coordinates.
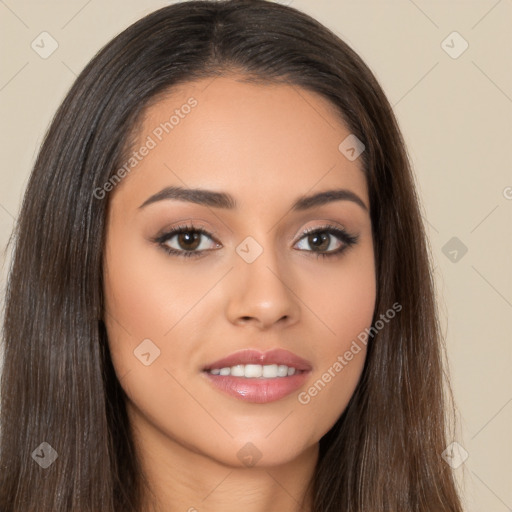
(169, 233)
(185, 224)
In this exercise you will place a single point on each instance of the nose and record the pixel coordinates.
(262, 293)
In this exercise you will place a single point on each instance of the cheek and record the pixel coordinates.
(351, 301)
(142, 302)
(344, 306)
(146, 303)
(144, 293)
(342, 296)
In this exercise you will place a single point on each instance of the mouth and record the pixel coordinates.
(257, 377)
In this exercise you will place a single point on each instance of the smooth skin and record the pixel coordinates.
(266, 145)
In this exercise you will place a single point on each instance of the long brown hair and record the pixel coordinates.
(58, 385)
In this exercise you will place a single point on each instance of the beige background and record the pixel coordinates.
(456, 116)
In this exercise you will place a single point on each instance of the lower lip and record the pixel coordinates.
(257, 390)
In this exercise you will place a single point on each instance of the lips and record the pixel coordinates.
(249, 356)
(259, 390)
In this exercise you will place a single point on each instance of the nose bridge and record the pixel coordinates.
(261, 283)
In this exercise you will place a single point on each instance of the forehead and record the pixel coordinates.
(257, 140)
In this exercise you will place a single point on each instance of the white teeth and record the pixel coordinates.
(238, 370)
(282, 370)
(270, 371)
(253, 371)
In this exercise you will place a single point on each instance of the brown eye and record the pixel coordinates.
(320, 239)
(189, 240)
(185, 241)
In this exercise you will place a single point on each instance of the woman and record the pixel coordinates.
(171, 342)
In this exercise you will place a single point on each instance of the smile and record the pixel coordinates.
(254, 371)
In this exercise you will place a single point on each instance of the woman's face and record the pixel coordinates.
(252, 280)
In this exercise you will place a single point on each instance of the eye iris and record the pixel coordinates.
(187, 238)
(319, 239)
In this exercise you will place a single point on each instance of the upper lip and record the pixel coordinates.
(249, 356)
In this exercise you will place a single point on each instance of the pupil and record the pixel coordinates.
(317, 240)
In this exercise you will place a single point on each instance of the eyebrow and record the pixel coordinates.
(226, 201)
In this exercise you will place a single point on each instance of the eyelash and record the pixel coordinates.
(348, 240)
